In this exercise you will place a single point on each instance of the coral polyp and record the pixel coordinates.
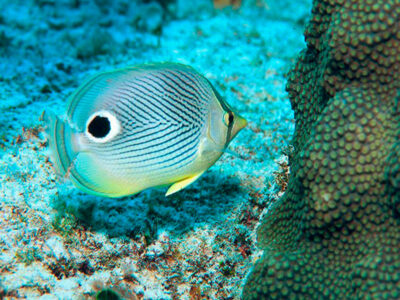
(335, 233)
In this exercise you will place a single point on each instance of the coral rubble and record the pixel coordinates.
(335, 233)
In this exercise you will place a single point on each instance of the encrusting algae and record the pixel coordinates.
(335, 233)
(225, 3)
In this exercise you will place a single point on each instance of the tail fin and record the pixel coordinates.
(60, 136)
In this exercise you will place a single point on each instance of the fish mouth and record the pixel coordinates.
(239, 124)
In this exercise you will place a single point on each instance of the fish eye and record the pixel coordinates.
(102, 126)
(228, 118)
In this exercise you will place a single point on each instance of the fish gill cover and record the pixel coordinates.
(335, 233)
(59, 243)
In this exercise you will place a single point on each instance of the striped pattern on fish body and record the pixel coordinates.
(140, 127)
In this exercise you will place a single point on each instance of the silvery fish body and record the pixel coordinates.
(139, 127)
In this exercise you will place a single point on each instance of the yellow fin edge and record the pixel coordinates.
(180, 185)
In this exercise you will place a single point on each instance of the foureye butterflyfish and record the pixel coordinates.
(139, 127)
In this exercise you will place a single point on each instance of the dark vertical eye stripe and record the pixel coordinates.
(229, 133)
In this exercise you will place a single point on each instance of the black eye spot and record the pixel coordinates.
(99, 127)
(230, 118)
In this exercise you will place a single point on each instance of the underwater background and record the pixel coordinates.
(57, 242)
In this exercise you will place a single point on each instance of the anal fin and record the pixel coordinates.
(180, 185)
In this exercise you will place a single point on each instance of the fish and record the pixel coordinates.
(139, 127)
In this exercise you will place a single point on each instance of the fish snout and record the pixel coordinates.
(239, 124)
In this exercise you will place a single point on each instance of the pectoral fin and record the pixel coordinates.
(180, 185)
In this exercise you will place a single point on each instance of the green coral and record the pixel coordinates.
(65, 224)
(335, 233)
(107, 294)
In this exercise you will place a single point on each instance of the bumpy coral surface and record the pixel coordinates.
(336, 233)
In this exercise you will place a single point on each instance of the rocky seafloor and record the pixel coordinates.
(59, 243)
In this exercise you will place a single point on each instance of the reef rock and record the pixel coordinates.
(335, 234)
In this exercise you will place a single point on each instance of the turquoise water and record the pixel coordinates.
(59, 243)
